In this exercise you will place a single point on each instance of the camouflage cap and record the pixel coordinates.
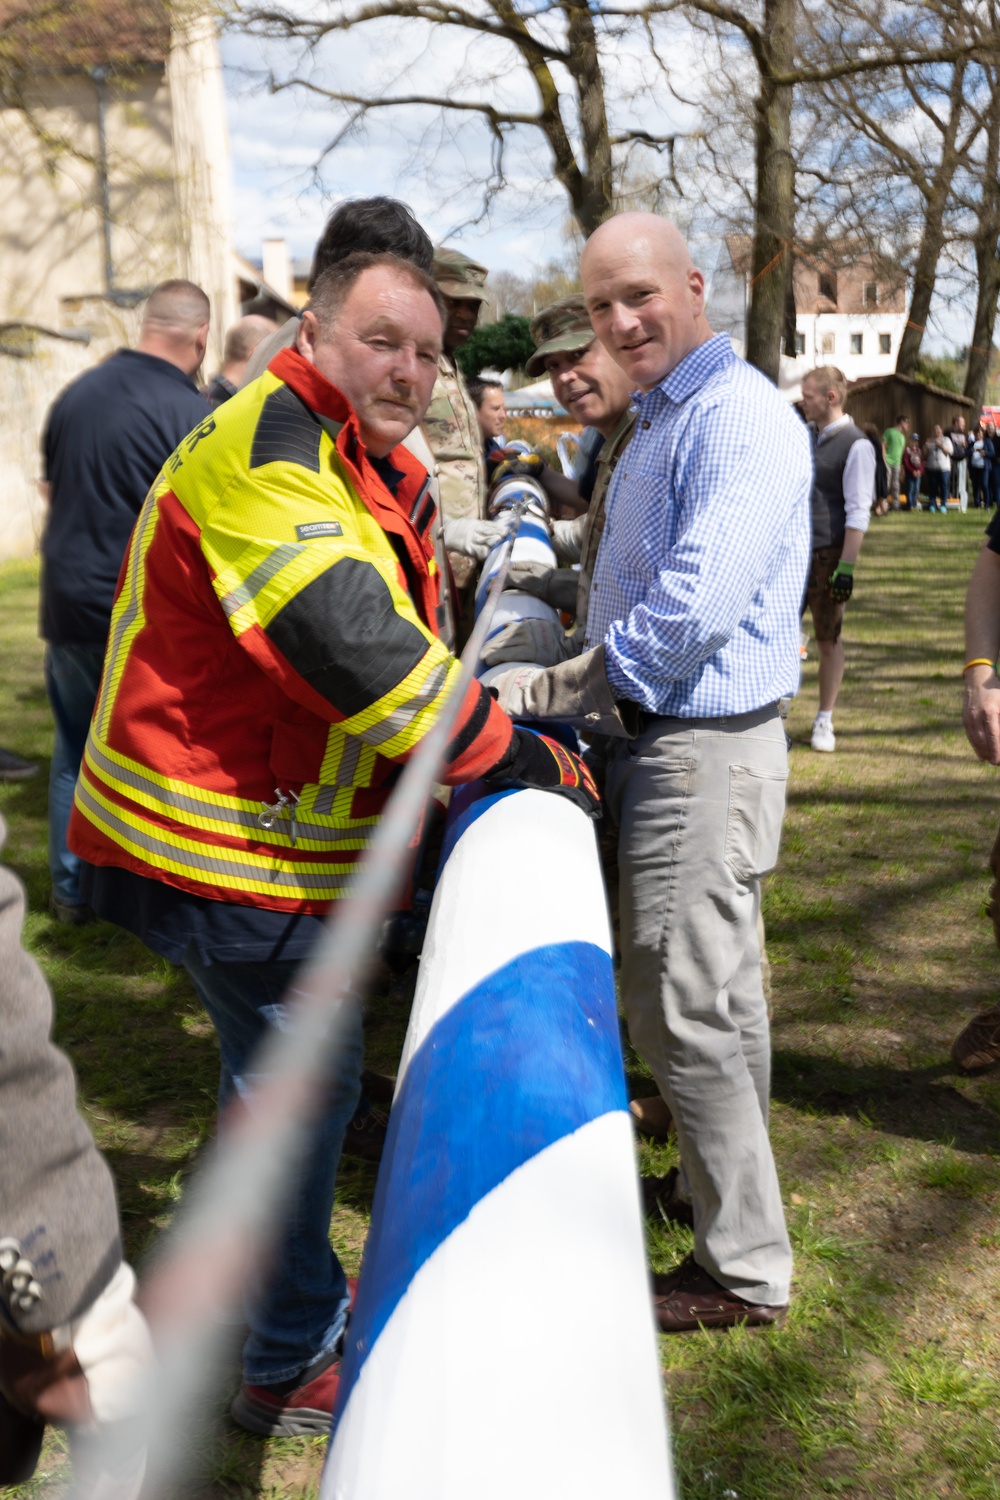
(564, 325)
(457, 275)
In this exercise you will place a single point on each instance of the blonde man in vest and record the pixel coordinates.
(843, 490)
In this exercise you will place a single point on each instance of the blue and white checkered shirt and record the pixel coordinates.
(700, 573)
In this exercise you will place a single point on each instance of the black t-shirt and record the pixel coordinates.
(106, 439)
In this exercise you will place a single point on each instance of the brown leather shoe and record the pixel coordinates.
(661, 1199)
(652, 1117)
(978, 1046)
(687, 1298)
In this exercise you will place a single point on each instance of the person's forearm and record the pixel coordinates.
(851, 550)
(563, 490)
(982, 609)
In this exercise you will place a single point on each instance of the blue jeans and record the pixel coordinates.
(301, 1311)
(937, 487)
(72, 678)
(913, 490)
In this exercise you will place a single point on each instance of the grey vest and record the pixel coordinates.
(828, 510)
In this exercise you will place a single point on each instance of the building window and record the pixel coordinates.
(885, 343)
(800, 343)
(828, 285)
(871, 294)
(857, 343)
(828, 343)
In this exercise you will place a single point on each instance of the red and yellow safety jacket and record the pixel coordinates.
(272, 656)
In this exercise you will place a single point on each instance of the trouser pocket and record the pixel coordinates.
(753, 822)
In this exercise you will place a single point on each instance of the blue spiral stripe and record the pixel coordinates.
(526, 1058)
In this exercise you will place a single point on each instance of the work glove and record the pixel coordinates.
(82, 1377)
(515, 465)
(557, 586)
(543, 642)
(567, 538)
(575, 692)
(841, 584)
(474, 538)
(535, 760)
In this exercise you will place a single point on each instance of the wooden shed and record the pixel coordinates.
(883, 398)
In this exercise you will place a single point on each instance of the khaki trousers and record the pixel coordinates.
(699, 812)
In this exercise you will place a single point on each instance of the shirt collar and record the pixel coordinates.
(832, 427)
(694, 370)
(163, 365)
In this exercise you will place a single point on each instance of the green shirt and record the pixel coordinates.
(895, 442)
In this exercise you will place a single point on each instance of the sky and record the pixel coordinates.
(276, 140)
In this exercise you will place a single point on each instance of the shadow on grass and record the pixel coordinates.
(918, 1103)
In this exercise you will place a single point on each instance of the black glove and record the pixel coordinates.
(535, 760)
(841, 584)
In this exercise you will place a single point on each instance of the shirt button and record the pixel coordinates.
(645, 424)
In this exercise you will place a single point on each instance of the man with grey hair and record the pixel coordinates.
(689, 645)
(105, 439)
(290, 545)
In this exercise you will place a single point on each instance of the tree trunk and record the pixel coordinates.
(775, 200)
(986, 243)
(596, 202)
(932, 238)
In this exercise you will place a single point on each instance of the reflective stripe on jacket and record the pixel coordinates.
(273, 655)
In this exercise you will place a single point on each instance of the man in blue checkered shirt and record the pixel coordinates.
(693, 636)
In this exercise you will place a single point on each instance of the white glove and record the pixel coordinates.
(473, 538)
(567, 538)
(543, 642)
(112, 1344)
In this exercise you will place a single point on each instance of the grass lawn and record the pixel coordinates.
(885, 1380)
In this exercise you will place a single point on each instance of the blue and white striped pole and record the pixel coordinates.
(502, 1341)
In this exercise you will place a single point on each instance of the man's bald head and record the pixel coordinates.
(175, 324)
(644, 295)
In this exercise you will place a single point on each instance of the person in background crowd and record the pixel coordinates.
(105, 440)
(978, 1045)
(843, 486)
(688, 647)
(992, 450)
(893, 447)
(371, 224)
(913, 468)
(937, 467)
(487, 397)
(978, 470)
(289, 550)
(241, 340)
(451, 426)
(960, 444)
(880, 503)
(73, 1344)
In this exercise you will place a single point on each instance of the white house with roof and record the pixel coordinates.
(850, 310)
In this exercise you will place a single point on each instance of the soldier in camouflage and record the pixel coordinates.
(451, 425)
(594, 390)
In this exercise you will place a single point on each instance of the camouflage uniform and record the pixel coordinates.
(451, 425)
(565, 327)
(593, 529)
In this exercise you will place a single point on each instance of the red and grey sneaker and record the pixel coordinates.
(277, 1411)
